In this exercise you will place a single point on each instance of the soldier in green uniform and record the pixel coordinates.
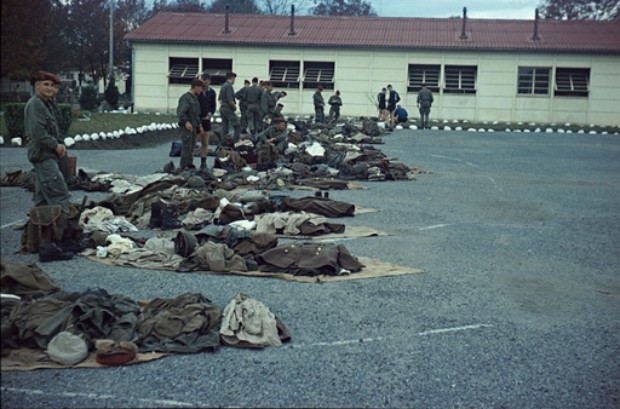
(190, 124)
(425, 100)
(319, 105)
(268, 102)
(276, 134)
(45, 149)
(254, 94)
(228, 106)
(242, 96)
(335, 102)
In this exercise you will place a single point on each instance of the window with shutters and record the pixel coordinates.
(284, 74)
(316, 73)
(217, 69)
(460, 79)
(533, 81)
(182, 70)
(572, 82)
(423, 74)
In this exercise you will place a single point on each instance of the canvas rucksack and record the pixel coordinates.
(45, 226)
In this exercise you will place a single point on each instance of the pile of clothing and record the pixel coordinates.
(36, 313)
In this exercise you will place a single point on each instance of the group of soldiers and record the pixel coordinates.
(259, 105)
(335, 102)
(260, 116)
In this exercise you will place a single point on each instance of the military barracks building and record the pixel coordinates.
(478, 69)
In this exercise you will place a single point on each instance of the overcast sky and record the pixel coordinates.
(500, 9)
(497, 9)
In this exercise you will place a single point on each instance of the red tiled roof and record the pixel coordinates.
(390, 32)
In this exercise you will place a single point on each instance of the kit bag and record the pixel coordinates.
(46, 225)
(229, 159)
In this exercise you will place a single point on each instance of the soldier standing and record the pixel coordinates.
(254, 95)
(44, 152)
(335, 102)
(188, 113)
(242, 96)
(207, 101)
(228, 106)
(425, 100)
(268, 102)
(319, 105)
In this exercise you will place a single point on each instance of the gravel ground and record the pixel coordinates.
(519, 306)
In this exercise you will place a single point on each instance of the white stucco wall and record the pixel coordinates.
(360, 74)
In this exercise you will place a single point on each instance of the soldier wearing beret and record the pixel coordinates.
(45, 148)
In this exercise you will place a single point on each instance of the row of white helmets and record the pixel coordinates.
(70, 141)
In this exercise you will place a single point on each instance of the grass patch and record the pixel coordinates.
(105, 122)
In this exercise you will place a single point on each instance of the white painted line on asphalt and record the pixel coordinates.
(346, 342)
(97, 396)
(12, 224)
(437, 226)
(453, 329)
(368, 340)
(495, 183)
(457, 160)
(472, 165)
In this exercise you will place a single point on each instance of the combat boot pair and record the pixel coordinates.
(164, 215)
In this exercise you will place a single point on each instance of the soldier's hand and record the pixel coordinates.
(61, 150)
(188, 126)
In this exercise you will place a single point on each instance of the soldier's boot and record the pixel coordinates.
(51, 252)
(169, 219)
(72, 235)
(156, 214)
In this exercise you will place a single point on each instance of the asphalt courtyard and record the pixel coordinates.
(518, 307)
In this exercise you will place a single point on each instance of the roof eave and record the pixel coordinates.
(467, 48)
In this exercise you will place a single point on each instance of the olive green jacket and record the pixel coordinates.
(188, 110)
(41, 126)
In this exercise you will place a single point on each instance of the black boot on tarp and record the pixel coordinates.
(51, 252)
(72, 246)
(156, 214)
(169, 217)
